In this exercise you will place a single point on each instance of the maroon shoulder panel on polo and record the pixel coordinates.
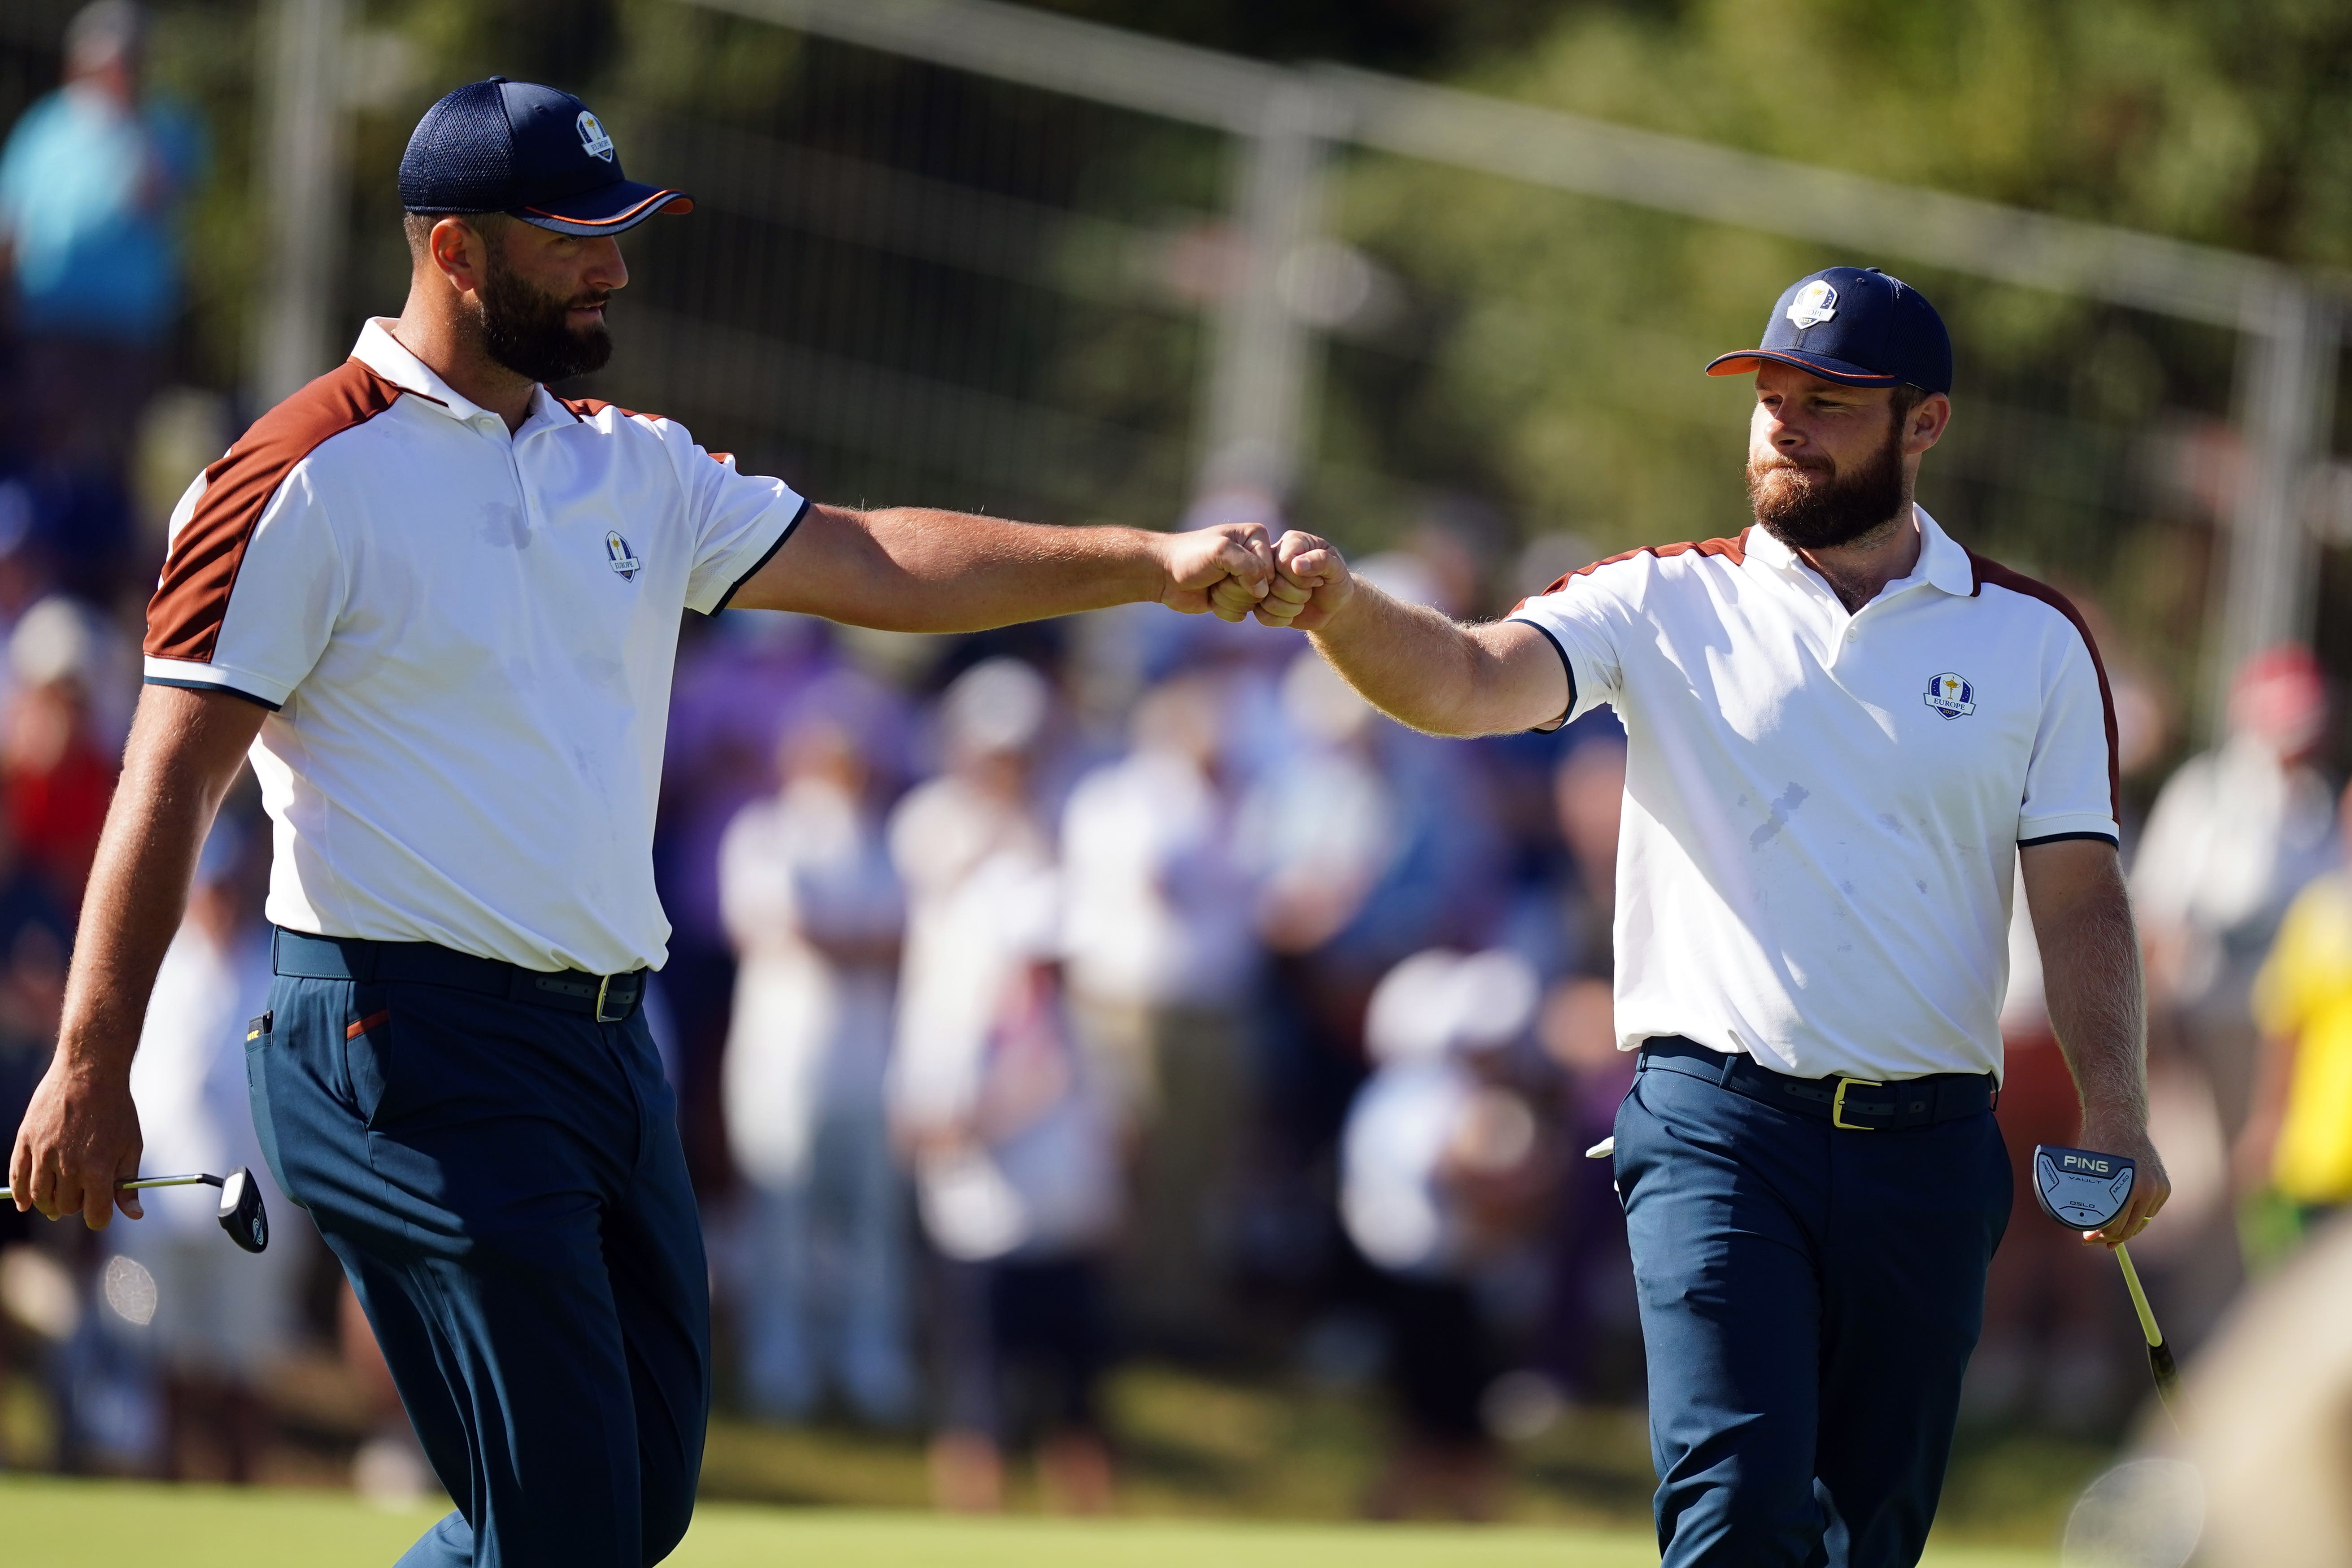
(1729, 549)
(2000, 576)
(183, 619)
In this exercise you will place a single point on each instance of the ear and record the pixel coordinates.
(1926, 423)
(459, 253)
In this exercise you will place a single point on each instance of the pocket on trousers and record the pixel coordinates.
(259, 1035)
(367, 1051)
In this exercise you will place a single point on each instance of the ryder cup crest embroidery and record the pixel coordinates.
(626, 564)
(1816, 302)
(593, 137)
(1951, 695)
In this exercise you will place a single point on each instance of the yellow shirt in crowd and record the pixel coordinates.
(2304, 993)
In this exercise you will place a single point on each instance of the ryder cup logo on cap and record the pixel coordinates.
(1855, 325)
(593, 137)
(1815, 302)
(529, 151)
(1951, 695)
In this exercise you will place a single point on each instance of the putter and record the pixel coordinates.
(240, 1212)
(2082, 1190)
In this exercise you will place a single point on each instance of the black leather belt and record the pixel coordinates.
(1854, 1104)
(607, 998)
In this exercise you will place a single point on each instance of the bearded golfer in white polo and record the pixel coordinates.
(437, 607)
(1846, 736)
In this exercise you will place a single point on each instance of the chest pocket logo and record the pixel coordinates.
(1951, 695)
(626, 564)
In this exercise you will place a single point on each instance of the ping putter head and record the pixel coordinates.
(241, 1213)
(2081, 1189)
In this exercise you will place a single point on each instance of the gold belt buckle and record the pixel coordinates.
(603, 985)
(1837, 1104)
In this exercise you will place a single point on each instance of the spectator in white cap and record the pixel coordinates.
(816, 914)
(1163, 963)
(1443, 1170)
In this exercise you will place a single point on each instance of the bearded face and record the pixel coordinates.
(1806, 503)
(524, 327)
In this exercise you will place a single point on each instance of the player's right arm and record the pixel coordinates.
(1417, 665)
(80, 1134)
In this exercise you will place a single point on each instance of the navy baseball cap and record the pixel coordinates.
(529, 151)
(1857, 325)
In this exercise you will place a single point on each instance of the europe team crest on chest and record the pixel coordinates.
(1951, 695)
(623, 562)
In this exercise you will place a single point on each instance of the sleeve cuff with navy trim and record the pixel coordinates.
(2103, 837)
(1567, 668)
(765, 556)
(190, 676)
(2062, 826)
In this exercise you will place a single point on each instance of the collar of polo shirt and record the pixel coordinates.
(389, 358)
(1942, 563)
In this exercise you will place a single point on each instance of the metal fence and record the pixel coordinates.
(981, 255)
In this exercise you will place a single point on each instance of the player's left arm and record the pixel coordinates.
(910, 569)
(2090, 962)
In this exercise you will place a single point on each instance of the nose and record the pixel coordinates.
(1784, 435)
(606, 269)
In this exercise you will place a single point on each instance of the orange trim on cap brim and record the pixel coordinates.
(1743, 361)
(673, 203)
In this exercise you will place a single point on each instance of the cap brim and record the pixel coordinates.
(608, 209)
(1744, 360)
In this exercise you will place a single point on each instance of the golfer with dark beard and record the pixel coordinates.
(437, 607)
(1847, 735)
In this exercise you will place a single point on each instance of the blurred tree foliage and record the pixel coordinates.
(1543, 352)
(1551, 352)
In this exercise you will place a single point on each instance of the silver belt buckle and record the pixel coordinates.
(603, 984)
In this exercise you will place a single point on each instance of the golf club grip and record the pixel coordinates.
(2160, 1362)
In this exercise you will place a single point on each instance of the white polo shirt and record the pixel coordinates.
(466, 639)
(1822, 811)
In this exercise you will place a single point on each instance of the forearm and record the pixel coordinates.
(139, 885)
(955, 571)
(1423, 668)
(2090, 957)
(911, 569)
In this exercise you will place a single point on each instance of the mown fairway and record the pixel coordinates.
(72, 1524)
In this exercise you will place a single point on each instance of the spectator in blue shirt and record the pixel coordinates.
(90, 183)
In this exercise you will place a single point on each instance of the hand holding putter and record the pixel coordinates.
(240, 1213)
(2083, 1190)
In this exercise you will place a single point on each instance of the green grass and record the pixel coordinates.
(50, 1523)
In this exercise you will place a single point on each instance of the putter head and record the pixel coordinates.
(241, 1213)
(2079, 1188)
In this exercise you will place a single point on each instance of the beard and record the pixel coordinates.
(1811, 506)
(524, 328)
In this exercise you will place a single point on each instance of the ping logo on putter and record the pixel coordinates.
(2079, 1188)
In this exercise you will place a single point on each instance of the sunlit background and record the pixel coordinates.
(1436, 280)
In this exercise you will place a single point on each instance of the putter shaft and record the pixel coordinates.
(137, 1184)
(2149, 1330)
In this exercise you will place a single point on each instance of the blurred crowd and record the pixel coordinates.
(1118, 988)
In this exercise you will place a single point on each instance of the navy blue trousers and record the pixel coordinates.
(504, 1185)
(1810, 1298)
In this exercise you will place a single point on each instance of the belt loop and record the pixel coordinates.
(1730, 1070)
